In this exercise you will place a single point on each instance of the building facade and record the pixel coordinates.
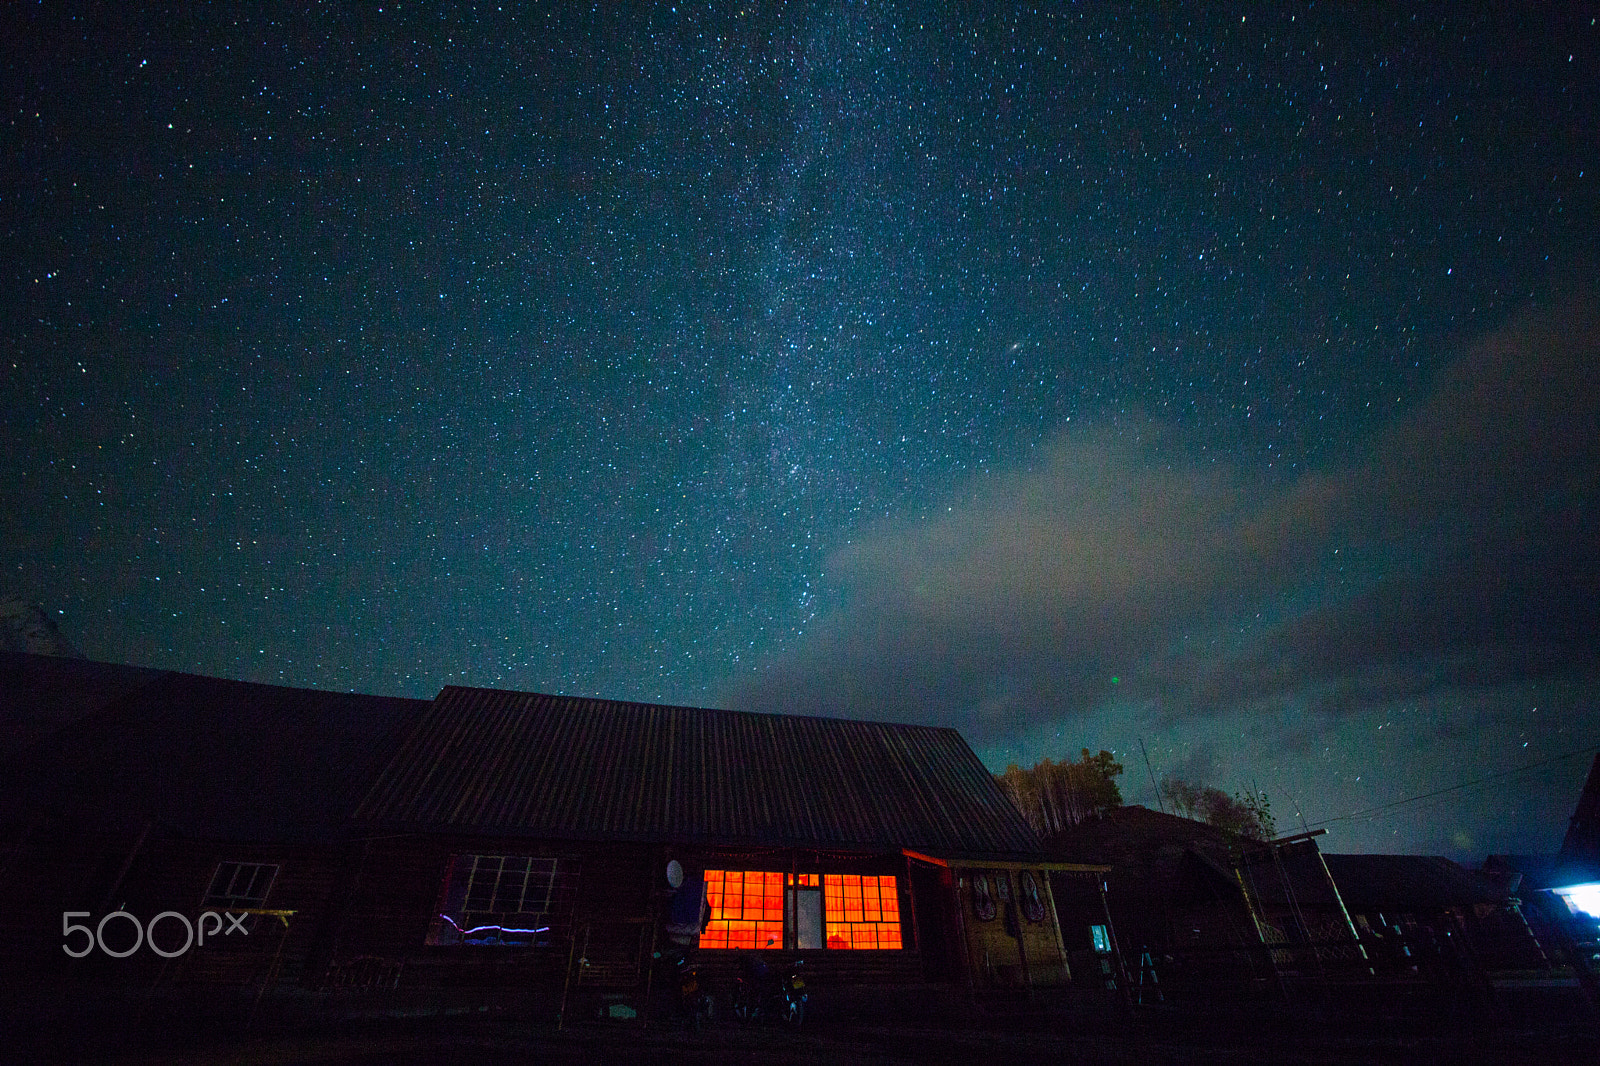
(494, 849)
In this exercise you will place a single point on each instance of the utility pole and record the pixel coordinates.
(1143, 751)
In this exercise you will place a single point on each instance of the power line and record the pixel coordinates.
(1456, 788)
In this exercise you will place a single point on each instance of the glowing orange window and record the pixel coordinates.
(863, 913)
(746, 909)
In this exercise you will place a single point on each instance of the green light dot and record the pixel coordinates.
(1116, 680)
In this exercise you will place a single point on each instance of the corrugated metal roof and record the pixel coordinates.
(495, 761)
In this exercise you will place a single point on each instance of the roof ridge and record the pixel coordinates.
(644, 705)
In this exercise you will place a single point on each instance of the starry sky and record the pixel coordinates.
(1225, 377)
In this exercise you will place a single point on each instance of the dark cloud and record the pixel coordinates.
(1480, 513)
(1457, 550)
(1507, 436)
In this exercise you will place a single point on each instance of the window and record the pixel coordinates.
(496, 899)
(848, 911)
(238, 886)
(746, 909)
(516, 884)
(1100, 936)
(862, 912)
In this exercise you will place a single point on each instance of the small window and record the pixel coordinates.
(238, 886)
(1101, 937)
(496, 900)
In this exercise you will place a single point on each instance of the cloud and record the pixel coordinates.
(1508, 432)
(1458, 549)
(1035, 588)
(1481, 512)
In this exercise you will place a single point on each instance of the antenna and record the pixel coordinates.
(1152, 774)
(1303, 827)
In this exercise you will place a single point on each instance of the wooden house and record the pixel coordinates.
(168, 796)
(1177, 894)
(1207, 910)
(494, 849)
(878, 852)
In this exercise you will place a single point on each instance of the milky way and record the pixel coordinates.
(861, 359)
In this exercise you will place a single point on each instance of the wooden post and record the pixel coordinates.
(1116, 950)
(572, 948)
(271, 975)
(1055, 921)
(127, 864)
(961, 929)
(916, 931)
(1339, 899)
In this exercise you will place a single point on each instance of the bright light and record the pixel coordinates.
(482, 930)
(1584, 899)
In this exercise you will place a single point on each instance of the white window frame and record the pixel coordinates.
(255, 891)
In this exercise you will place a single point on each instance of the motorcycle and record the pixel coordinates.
(694, 1005)
(760, 993)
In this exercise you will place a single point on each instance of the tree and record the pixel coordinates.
(1248, 814)
(1053, 795)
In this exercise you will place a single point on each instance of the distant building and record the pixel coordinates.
(1207, 910)
(1560, 893)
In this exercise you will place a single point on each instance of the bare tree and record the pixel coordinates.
(1053, 795)
(1248, 814)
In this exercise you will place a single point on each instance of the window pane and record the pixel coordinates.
(746, 909)
(240, 884)
(541, 882)
(481, 878)
(513, 879)
(863, 913)
(226, 871)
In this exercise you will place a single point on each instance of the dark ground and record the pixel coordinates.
(1054, 1030)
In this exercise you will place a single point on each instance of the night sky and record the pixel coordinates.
(1226, 377)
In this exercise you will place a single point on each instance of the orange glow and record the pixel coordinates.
(746, 909)
(863, 912)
